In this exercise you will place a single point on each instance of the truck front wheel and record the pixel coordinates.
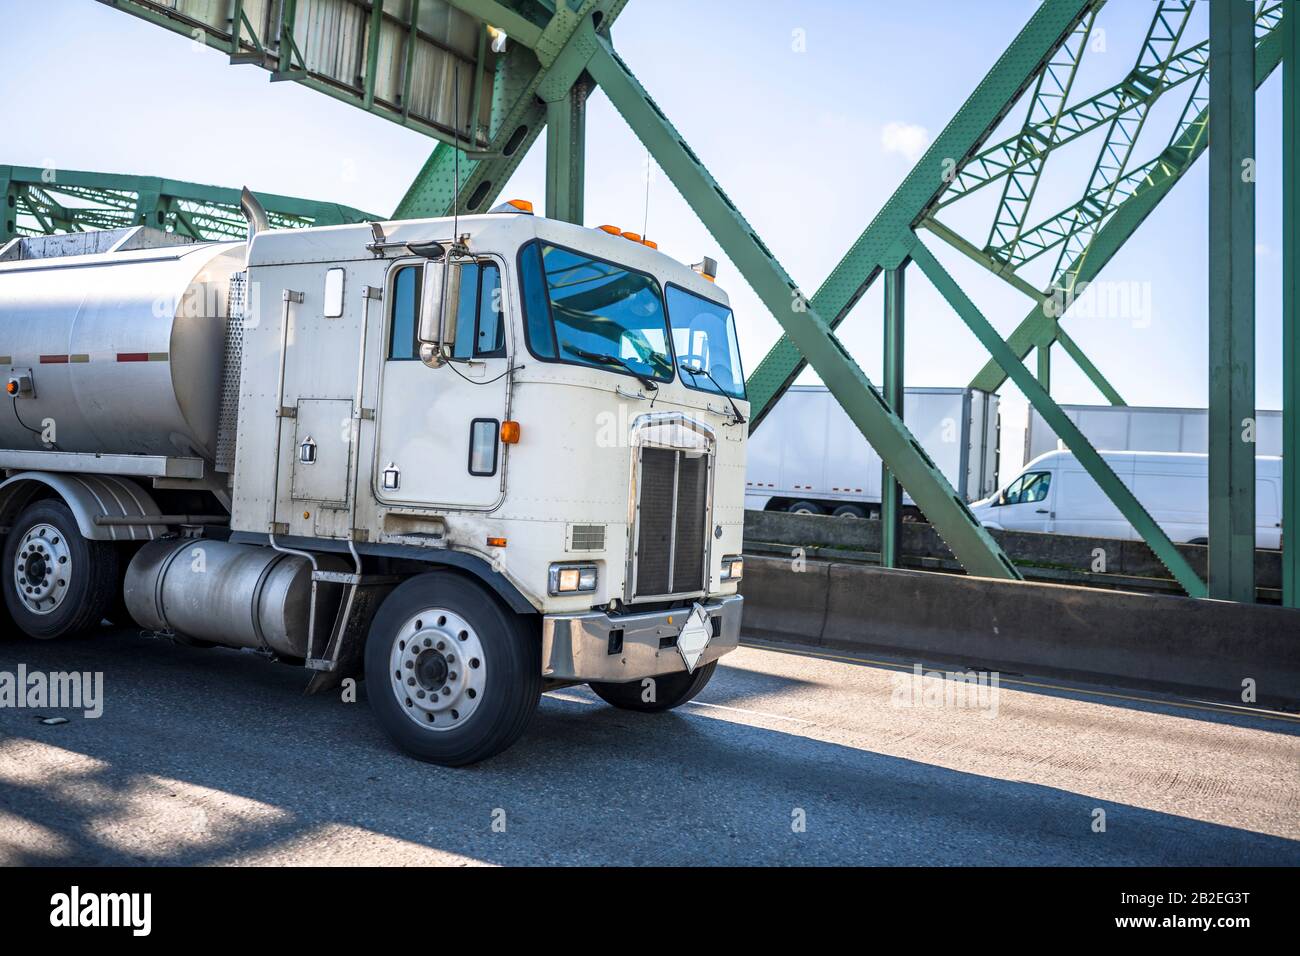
(655, 693)
(452, 676)
(56, 583)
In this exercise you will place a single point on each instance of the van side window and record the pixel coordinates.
(403, 317)
(1028, 488)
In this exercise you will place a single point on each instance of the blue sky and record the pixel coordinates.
(809, 144)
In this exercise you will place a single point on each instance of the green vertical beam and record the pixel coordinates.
(1045, 367)
(1052, 23)
(891, 495)
(1232, 301)
(372, 51)
(1059, 422)
(808, 332)
(8, 205)
(524, 83)
(566, 133)
(1290, 309)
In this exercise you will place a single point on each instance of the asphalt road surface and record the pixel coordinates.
(215, 757)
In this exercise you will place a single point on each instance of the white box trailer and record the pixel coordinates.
(1144, 428)
(465, 463)
(808, 457)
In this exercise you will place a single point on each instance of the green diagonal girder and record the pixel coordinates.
(1038, 328)
(1051, 24)
(970, 543)
(110, 201)
(1068, 431)
(1038, 134)
(526, 81)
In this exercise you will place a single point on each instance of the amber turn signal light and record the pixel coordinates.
(510, 433)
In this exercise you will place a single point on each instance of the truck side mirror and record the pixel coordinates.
(439, 301)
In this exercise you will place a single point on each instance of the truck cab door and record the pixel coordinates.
(438, 442)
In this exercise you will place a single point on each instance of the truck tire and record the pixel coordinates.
(804, 508)
(56, 583)
(452, 676)
(670, 690)
(849, 511)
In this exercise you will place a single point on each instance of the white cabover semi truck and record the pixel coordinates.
(471, 460)
(809, 457)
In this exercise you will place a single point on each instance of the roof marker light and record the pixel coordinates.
(707, 268)
(515, 206)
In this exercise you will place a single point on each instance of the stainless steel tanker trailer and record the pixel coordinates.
(466, 461)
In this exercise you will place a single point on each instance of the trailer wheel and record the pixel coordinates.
(669, 690)
(849, 511)
(452, 676)
(56, 583)
(804, 508)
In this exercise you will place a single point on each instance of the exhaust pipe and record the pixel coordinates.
(254, 213)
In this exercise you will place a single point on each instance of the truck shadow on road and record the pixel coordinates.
(211, 757)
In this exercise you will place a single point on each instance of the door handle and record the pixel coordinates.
(1041, 511)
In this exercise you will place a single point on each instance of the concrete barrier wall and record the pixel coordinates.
(920, 541)
(1111, 637)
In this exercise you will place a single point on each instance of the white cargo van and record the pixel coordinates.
(1054, 494)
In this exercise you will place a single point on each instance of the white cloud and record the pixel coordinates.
(906, 139)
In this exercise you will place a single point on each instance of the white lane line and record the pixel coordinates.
(753, 713)
(573, 699)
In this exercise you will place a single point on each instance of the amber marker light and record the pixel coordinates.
(510, 433)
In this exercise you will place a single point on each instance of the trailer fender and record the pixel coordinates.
(91, 497)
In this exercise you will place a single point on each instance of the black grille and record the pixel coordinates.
(663, 568)
(692, 505)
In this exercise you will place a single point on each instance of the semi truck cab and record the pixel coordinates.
(468, 458)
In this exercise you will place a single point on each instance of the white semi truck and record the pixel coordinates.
(809, 457)
(468, 459)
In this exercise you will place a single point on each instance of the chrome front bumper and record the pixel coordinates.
(595, 646)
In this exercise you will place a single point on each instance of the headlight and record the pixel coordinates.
(571, 578)
(733, 568)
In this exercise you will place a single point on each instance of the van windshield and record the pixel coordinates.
(591, 312)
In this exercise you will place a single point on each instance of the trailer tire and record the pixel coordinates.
(45, 538)
(849, 511)
(805, 508)
(452, 675)
(670, 690)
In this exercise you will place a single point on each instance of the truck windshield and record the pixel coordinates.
(592, 312)
(704, 335)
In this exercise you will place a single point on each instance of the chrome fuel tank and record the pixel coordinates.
(123, 350)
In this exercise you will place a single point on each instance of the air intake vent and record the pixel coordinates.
(586, 537)
(232, 363)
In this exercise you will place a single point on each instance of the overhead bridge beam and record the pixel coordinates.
(48, 201)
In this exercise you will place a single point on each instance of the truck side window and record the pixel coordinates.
(537, 301)
(480, 332)
(405, 310)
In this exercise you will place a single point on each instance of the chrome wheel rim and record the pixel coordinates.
(42, 569)
(437, 669)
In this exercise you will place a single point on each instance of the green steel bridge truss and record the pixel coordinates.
(47, 201)
(399, 58)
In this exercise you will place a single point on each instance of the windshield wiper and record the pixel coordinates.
(701, 370)
(612, 360)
